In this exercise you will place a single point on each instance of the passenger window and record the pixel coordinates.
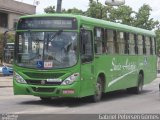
(110, 42)
(131, 44)
(144, 44)
(136, 44)
(126, 39)
(140, 47)
(86, 47)
(154, 45)
(151, 46)
(120, 40)
(99, 39)
(147, 45)
(116, 46)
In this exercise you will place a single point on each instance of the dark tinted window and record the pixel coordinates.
(3, 20)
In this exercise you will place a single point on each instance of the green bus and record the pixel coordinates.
(63, 55)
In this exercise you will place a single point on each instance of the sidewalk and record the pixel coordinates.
(6, 81)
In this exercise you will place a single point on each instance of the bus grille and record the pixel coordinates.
(42, 82)
(43, 75)
(43, 89)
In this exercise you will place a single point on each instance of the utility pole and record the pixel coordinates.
(59, 6)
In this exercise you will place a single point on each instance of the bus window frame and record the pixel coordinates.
(136, 43)
(82, 32)
(102, 40)
(144, 44)
(126, 43)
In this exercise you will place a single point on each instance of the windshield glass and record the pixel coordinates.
(46, 50)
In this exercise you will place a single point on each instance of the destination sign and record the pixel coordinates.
(47, 23)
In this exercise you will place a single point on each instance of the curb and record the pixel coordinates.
(5, 81)
(1, 75)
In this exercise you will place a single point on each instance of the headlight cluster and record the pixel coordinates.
(18, 78)
(70, 79)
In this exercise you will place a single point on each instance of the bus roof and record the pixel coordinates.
(100, 23)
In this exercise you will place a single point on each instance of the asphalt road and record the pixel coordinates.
(115, 102)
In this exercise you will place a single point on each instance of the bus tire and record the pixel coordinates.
(139, 88)
(98, 91)
(45, 99)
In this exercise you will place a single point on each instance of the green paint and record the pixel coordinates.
(120, 71)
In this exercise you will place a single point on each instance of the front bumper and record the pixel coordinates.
(47, 91)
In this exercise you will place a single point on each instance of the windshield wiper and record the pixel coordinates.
(57, 33)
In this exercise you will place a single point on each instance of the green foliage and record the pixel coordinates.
(121, 14)
(10, 37)
(95, 10)
(50, 9)
(73, 11)
(143, 20)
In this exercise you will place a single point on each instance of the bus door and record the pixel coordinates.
(87, 64)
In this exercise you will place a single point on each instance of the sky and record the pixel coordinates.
(83, 5)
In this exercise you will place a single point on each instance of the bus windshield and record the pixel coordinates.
(46, 50)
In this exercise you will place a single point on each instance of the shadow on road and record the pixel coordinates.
(76, 102)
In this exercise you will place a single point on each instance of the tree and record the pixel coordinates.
(143, 20)
(73, 11)
(95, 10)
(50, 9)
(122, 14)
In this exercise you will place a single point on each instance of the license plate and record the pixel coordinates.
(54, 80)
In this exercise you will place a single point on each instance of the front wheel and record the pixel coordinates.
(139, 88)
(98, 91)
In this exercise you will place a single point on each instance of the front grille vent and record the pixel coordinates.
(43, 75)
(42, 82)
(39, 89)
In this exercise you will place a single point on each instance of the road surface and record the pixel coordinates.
(115, 102)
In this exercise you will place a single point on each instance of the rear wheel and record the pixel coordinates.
(98, 91)
(139, 88)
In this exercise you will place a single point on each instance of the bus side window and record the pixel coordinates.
(131, 44)
(151, 46)
(147, 46)
(136, 44)
(86, 47)
(140, 47)
(116, 46)
(105, 50)
(110, 42)
(126, 39)
(120, 40)
(99, 40)
(154, 45)
(144, 44)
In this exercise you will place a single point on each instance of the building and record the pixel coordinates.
(10, 11)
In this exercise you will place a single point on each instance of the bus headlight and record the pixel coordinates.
(70, 79)
(18, 78)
